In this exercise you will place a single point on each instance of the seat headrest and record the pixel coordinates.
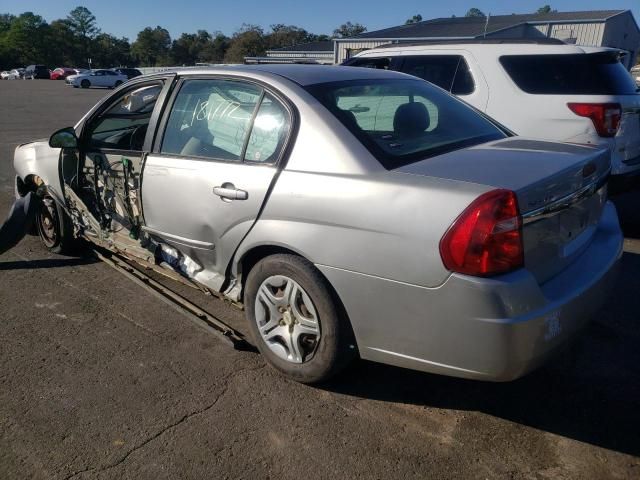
(411, 119)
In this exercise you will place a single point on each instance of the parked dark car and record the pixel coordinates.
(36, 71)
(129, 72)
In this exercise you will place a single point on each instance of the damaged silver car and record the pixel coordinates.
(352, 212)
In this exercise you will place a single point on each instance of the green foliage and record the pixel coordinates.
(349, 29)
(28, 39)
(546, 9)
(415, 19)
(152, 47)
(474, 12)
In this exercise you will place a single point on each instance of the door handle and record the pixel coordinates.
(227, 191)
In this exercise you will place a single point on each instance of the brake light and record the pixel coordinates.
(486, 239)
(605, 116)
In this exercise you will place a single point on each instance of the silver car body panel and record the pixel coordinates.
(375, 233)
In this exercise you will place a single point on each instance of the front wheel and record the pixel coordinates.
(54, 227)
(118, 83)
(295, 321)
(85, 83)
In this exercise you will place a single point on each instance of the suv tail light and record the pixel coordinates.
(486, 239)
(605, 116)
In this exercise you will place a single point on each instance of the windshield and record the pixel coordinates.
(574, 74)
(401, 121)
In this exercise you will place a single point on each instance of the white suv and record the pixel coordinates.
(547, 89)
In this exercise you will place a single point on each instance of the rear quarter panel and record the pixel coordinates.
(337, 206)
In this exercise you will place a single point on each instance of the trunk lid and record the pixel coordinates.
(561, 191)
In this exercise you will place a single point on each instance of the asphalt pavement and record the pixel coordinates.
(99, 379)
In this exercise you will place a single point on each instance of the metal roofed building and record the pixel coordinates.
(313, 52)
(599, 28)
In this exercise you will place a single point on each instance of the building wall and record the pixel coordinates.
(315, 55)
(345, 50)
(622, 32)
(586, 34)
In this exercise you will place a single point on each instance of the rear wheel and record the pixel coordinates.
(85, 83)
(118, 83)
(294, 320)
(54, 227)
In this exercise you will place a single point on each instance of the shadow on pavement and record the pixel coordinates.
(589, 393)
(46, 263)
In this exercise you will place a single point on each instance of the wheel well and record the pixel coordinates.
(29, 184)
(253, 256)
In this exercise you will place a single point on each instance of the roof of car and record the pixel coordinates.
(301, 74)
(482, 48)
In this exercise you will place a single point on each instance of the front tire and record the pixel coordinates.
(295, 321)
(85, 83)
(54, 227)
(118, 83)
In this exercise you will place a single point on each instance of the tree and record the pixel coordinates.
(349, 29)
(83, 25)
(152, 46)
(474, 12)
(25, 41)
(249, 41)
(65, 49)
(110, 51)
(545, 9)
(286, 35)
(415, 19)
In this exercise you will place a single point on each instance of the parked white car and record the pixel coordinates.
(14, 74)
(97, 78)
(544, 89)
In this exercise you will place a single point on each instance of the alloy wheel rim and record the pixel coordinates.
(48, 221)
(287, 319)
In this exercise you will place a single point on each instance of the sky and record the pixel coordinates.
(177, 16)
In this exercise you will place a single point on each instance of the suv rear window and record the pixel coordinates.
(403, 121)
(574, 74)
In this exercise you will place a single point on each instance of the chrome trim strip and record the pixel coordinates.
(564, 203)
(181, 240)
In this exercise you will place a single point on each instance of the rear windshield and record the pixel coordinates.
(403, 121)
(573, 74)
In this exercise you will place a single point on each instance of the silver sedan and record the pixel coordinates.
(353, 212)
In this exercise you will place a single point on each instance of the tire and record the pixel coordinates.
(118, 83)
(85, 83)
(54, 228)
(304, 335)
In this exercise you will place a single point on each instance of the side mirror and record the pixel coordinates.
(65, 138)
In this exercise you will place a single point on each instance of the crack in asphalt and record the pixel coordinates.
(227, 380)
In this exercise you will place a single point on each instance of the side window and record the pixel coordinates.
(379, 63)
(463, 83)
(123, 126)
(211, 119)
(269, 131)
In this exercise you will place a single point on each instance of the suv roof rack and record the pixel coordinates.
(494, 41)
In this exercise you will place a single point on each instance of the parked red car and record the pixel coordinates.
(62, 73)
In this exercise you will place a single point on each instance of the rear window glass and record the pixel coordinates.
(402, 121)
(365, 62)
(575, 74)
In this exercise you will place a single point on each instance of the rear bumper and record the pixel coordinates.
(494, 329)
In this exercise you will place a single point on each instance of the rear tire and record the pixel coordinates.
(118, 83)
(85, 83)
(54, 227)
(295, 321)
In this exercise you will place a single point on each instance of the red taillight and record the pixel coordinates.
(486, 239)
(605, 116)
